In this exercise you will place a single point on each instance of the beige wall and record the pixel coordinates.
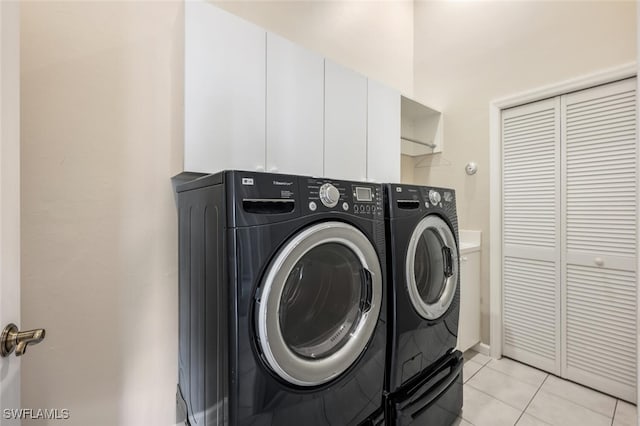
(102, 97)
(469, 53)
(407, 168)
(101, 137)
(372, 37)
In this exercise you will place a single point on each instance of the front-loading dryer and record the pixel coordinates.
(423, 381)
(281, 291)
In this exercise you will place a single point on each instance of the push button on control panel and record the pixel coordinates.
(313, 206)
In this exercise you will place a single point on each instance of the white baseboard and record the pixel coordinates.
(482, 348)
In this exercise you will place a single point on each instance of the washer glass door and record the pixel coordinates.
(432, 267)
(319, 303)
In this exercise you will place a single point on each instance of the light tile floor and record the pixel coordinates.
(506, 392)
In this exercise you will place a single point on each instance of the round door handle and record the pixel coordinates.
(598, 261)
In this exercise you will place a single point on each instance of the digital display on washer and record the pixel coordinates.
(363, 194)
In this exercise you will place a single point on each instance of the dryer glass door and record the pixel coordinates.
(319, 303)
(432, 267)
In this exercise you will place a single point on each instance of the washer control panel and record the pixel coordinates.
(363, 199)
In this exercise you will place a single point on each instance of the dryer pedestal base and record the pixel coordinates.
(434, 398)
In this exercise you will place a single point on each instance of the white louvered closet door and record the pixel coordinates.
(599, 238)
(531, 249)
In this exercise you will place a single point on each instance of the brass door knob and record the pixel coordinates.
(12, 339)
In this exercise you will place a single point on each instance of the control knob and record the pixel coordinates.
(329, 195)
(434, 197)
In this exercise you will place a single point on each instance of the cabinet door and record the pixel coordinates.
(224, 96)
(383, 133)
(345, 115)
(469, 326)
(600, 226)
(295, 108)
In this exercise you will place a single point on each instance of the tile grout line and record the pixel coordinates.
(531, 400)
(477, 371)
(567, 381)
(578, 403)
(538, 390)
(463, 384)
(493, 397)
(516, 377)
(512, 377)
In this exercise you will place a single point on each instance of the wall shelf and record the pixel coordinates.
(421, 128)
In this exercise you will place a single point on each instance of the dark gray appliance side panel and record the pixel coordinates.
(216, 309)
(196, 315)
(202, 318)
(185, 208)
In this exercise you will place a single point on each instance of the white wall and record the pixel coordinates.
(370, 36)
(101, 137)
(469, 53)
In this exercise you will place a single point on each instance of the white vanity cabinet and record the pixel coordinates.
(469, 325)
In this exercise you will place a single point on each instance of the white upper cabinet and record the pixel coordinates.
(224, 91)
(257, 101)
(295, 108)
(345, 131)
(383, 128)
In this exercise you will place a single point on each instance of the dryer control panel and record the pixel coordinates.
(413, 199)
(359, 198)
